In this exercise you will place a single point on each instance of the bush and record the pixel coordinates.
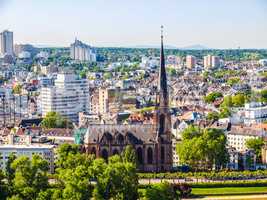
(159, 191)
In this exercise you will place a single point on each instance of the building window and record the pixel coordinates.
(149, 155)
(115, 152)
(93, 151)
(104, 154)
(162, 154)
(140, 155)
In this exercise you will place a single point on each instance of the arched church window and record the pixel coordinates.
(93, 151)
(115, 152)
(104, 154)
(149, 155)
(140, 155)
(162, 154)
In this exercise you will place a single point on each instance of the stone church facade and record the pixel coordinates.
(152, 142)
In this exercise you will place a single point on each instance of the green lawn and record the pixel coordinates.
(228, 191)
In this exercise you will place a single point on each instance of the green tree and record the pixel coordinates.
(211, 97)
(225, 112)
(65, 151)
(119, 181)
(263, 96)
(9, 171)
(256, 145)
(55, 120)
(3, 187)
(30, 177)
(203, 148)
(238, 100)
(129, 155)
(83, 74)
(213, 116)
(233, 80)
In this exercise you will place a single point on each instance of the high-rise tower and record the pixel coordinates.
(6, 43)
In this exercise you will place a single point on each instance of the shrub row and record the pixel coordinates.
(213, 175)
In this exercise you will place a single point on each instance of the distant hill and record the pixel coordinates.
(151, 47)
(195, 47)
(191, 47)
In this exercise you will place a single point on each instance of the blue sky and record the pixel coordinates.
(212, 23)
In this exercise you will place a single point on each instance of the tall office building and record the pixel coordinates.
(211, 61)
(215, 61)
(190, 61)
(6, 43)
(207, 61)
(68, 96)
(82, 52)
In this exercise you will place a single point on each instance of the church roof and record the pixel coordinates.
(144, 133)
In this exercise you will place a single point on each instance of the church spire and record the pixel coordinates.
(163, 114)
(162, 85)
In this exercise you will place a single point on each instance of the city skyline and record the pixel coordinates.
(223, 24)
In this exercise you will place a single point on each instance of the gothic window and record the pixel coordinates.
(161, 123)
(115, 152)
(162, 155)
(104, 154)
(140, 155)
(120, 139)
(149, 155)
(93, 151)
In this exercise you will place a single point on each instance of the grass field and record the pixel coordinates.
(228, 191)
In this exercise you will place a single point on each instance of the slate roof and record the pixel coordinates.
(144, 133)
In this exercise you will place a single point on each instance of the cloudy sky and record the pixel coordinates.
(212, 23)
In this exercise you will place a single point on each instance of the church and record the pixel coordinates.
(152, 142)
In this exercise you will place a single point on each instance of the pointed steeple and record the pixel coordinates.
(163, 114)
(162, 85)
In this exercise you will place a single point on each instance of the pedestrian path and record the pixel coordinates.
(237, 197)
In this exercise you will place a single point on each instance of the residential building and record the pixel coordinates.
(21, 145)
(238, 135)
(6, 43)
(215, 61)
(207, 61)
(29, 150)
(82, 52)
(255, 112)
(190, 61)
(88, 118)
(109, 100)
(211, 61)
(68, 96)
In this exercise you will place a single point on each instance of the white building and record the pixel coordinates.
(263, 62)
(68, 96)
(237, 137)
(149, 62)
(6, 43)
(43, 54)
(44, 151)
(211, 61)
(255, 112)
(82, 52)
